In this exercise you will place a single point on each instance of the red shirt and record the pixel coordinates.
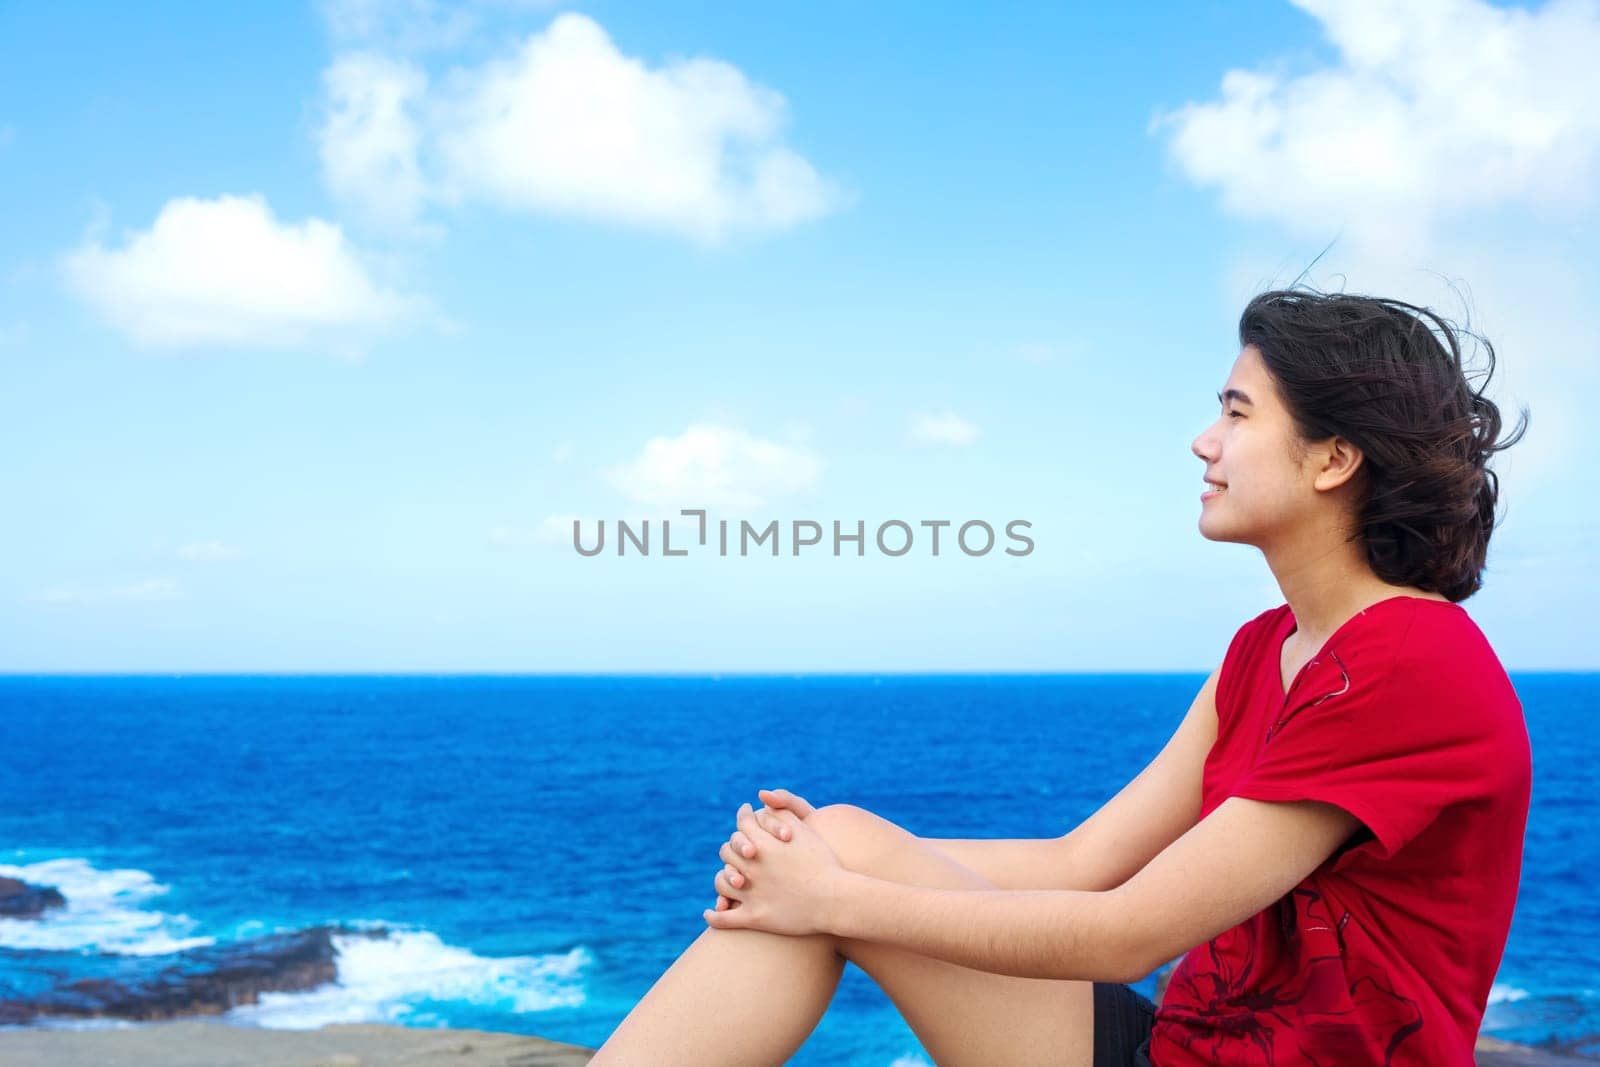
(1385, 953)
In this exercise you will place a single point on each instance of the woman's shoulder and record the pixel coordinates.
(1441, 634)
(1446, 661)
(1253, 634)
(1263, 624)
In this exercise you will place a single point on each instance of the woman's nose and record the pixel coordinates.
(1203, 446)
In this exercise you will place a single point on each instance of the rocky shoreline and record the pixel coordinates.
(197, 981)
(212, 1043)
(161, 1012)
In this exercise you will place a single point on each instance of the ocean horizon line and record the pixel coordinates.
(695, 674)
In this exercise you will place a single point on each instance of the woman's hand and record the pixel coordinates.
(767, 819)
(782, 798)
(788, 889)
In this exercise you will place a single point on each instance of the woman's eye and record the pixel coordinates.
(1235, 414)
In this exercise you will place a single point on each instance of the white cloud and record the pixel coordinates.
(406, 24)
(946, 429)
(1450, 144)
(569, 125)
(370, 136)
(416, 25)
(225, 271)
(151, 589)
(715, 467)
(1435, 109)
(209, 552)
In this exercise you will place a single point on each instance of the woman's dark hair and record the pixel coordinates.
(1375, 372)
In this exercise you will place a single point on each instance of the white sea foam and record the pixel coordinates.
(1499, 993)
(391, 979)
(105, 912)
(910, 1060)
(378, 980)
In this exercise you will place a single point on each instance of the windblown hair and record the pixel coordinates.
(1376, 372)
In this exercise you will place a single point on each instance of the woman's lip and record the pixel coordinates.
(1209, 493)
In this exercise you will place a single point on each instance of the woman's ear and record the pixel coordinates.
(1339, 461)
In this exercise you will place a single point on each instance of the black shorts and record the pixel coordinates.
(1122, 1022)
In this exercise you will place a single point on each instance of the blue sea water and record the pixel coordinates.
(544, 846)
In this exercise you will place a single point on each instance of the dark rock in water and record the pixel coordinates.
(1492, 1052)
(19, 900)
(198, 981)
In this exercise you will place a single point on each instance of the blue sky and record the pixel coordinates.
(318, 324)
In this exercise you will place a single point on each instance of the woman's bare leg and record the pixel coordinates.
(734, 997)
(745, 997)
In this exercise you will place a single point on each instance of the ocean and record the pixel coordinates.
(541, 847)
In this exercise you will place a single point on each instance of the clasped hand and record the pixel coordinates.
(779, 875)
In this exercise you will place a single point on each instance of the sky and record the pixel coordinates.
(320, 324)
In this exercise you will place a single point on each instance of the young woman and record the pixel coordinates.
(1331, 839)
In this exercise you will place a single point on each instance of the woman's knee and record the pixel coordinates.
(870, 844)
(855, 834)
(840, 819)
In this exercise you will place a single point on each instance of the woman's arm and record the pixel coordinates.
(1128, 831)
(1020, 863)
(1231, 865)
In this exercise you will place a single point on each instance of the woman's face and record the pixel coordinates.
(1252, 449)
